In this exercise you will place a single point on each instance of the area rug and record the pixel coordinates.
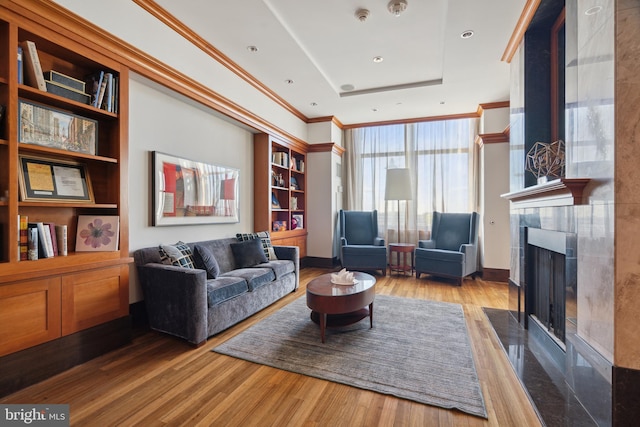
(417, 350)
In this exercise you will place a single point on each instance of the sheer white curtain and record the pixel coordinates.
(442, 158)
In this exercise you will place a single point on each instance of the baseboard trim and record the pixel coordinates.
(319, 262)
(495, 275)
(32, 365)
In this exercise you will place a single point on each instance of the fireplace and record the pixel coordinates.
(551, 278)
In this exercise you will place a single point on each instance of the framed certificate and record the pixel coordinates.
(44, 179)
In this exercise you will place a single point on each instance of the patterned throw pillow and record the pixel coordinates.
(265, 237)
(178, 254)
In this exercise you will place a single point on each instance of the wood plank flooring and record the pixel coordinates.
(159, 380)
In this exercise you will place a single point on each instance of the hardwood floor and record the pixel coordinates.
(159, 380)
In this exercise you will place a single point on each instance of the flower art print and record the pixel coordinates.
(97, 233)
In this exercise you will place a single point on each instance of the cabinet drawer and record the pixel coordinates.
(94, 297)
(29, 313)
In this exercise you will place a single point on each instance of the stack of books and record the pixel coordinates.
(38, 240)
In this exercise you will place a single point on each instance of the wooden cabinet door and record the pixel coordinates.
(29, 313)
(94, 297)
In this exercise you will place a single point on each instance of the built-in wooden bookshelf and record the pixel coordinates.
(280, 182)
(46, 300)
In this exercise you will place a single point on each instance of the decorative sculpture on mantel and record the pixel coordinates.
(546, 160)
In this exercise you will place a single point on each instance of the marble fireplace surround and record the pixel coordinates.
(584, 371)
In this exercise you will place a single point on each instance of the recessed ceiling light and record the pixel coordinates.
(467, 34)
(252, 49)
(347, 87)
(314, 104)
(374, 109)
(289, 81)
(378, 59)
(593, 10)
(441, 102)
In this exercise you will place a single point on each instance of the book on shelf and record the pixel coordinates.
(24, 236)
(32, 65)
(20, 66)
(44, 240)
(33, 242)
(108, 92)
(103, 87)
(54, 241)
(61, 237)
(93, 84)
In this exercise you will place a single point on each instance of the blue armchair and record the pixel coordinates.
(360, 246)
(453, 248)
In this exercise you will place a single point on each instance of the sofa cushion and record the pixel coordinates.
(255, 277)
(205, 260)
(178, 254)
(280, 267)
(248, 253)
(224, 288)
(264, 237)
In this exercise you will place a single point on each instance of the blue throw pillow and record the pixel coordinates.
(205, 260)
(248, 253)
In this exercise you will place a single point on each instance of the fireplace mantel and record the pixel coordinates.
(559, 192)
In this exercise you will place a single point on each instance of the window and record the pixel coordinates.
(441, 157)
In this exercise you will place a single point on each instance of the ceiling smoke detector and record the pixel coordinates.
(362, 14)
(396, 7)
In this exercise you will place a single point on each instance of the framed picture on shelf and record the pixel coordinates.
(46, 126)
(97, 233)
(43, 179)
(192, 192)
(297, 221)
(279, 226)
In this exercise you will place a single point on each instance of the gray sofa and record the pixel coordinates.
(189, 303)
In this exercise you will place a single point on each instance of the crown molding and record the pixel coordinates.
(179, 27)
(473, 115)
(528, 12)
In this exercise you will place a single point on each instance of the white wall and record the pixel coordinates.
(495, 217)
(162, 121)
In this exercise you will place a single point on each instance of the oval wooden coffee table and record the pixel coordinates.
(340, 305)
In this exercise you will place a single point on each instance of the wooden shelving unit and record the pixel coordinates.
(46, 300)
(280, 175)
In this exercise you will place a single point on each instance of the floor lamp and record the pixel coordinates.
(398, 187)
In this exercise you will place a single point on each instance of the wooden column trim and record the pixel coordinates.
(326, 147)
(521, 27)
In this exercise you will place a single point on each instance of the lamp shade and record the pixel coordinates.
(398, 186)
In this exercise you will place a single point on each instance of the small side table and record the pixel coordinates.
(403, 249)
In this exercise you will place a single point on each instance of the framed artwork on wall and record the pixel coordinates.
(192, 192)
